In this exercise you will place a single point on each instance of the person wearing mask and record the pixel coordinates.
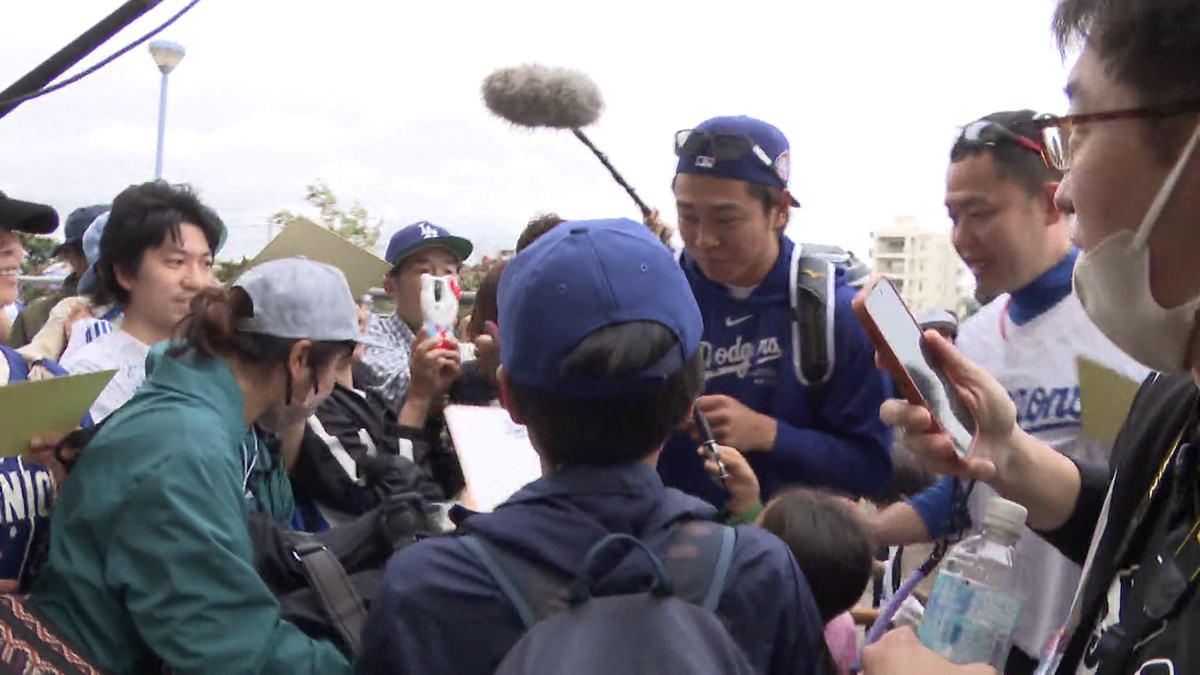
(601, 373)
(1133, 185)
(731, 190)
(36, 313)
(1017, 243)
(150, 561)
(156, 251)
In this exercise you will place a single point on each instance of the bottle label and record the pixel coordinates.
(970, 622)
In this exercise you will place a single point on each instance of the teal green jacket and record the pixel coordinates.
(149, 551)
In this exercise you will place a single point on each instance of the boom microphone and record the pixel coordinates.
(537, 96)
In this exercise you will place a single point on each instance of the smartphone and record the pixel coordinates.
(439, 304)
(905, 352)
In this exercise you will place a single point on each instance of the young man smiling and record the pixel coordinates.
(156, 252)
(1134, 185)
(731, 190)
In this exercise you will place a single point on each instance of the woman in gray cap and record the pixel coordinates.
(150, 560)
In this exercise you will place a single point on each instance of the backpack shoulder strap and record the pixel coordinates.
(698, 560)
(811, 291)
(18, 370)
(337, 593)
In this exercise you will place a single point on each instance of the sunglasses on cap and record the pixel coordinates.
(721, 146)
(989, 134)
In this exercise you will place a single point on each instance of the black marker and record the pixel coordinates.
(709, 443)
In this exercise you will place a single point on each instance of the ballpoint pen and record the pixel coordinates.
(709, 443)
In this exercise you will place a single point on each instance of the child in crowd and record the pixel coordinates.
(825, 537)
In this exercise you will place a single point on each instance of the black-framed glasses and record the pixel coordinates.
(722, 146)
(1056, 130)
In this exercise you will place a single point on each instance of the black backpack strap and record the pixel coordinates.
(337, 593)
(811, 290)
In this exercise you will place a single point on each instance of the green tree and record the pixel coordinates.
(353, 223)
(39, 253)
(227, 271)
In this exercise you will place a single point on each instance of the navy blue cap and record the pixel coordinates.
(424, 234)
(580, 277)
(77, 224)
(750, 168)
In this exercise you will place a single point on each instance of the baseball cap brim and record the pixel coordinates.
(58, 250)
(457, 245)
(21, 216)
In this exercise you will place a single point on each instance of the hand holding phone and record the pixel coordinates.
(905, 353)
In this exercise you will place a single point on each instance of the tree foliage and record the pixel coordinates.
(353, 223)
(227, 271)
(39, 253)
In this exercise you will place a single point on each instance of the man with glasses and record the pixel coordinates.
(1134, 185)
(1000, 198)
(796, 425)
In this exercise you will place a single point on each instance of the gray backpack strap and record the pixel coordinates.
(337, 593)
(698, 559)
(811, 292)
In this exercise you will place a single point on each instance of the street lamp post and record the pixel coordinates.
(166, 55)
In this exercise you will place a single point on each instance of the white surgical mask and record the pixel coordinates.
(1113, 284)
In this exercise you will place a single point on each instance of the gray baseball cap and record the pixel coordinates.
(301, 299)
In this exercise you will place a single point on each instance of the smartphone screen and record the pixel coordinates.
(901, 332)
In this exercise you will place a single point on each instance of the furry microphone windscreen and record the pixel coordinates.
(533, 95)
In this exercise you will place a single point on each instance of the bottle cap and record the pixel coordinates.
(1005, 515)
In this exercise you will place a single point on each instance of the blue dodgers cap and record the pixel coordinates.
(750, 167)
(580, 277)
(424, 234)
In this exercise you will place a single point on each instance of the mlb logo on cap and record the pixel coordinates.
(737, 148)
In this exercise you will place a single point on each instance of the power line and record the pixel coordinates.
(125, 50)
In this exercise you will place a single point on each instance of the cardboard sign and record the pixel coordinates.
(49, 407)
(302, 237)
(496, 456)
(1105, 398)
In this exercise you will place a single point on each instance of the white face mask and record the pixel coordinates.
(1113, 284)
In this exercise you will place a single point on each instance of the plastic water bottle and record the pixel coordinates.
(975, 605)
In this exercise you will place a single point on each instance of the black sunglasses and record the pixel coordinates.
(721, 146)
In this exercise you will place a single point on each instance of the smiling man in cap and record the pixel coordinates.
(17, 216)
(36, 313)
(732, 194)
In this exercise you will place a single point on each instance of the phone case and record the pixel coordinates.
(912, 392)
(439, 304)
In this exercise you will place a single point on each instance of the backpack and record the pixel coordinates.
(612, 623)
(811, 283)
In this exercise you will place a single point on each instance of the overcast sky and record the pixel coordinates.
(381, 100)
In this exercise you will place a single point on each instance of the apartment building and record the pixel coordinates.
(922, 264)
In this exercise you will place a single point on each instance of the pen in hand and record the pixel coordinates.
(709, 443)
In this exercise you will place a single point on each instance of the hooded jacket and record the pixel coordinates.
(830, 434)
(150, 557)
(439, 612)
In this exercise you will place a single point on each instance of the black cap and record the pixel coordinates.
(19, 216)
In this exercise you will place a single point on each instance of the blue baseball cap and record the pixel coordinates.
(772, 167)
(424, 234)
(91, 251)
(580, 277)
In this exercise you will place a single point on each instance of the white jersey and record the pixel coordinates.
(117, 351)
(1037, 364)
